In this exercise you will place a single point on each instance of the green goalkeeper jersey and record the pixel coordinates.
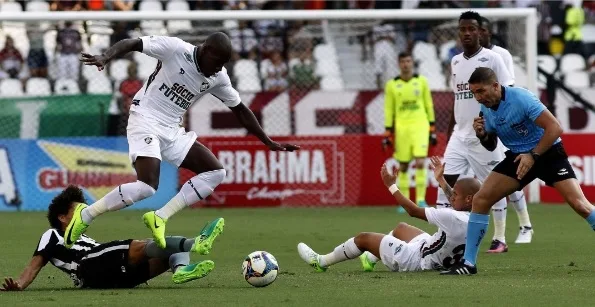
(408, 102)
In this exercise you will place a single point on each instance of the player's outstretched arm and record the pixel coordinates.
(249, 121)
(438, 169)
(120, 48)
(29, 274)
(390, 182)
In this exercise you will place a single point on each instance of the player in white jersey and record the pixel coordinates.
(464, 152)
(517, 198)
(184, 73)
(407, 248)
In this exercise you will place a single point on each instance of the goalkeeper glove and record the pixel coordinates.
(433, 136)
(388, 139)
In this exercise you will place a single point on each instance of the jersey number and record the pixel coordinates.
(458, 253)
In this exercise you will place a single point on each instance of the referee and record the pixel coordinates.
(409, 113)
(532, 134)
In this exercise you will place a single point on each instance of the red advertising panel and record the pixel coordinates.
(581, 154)
(327, 171)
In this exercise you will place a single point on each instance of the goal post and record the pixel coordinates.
(333, 93)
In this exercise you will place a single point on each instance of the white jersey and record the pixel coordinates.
(447, 245)
(177, 81)
(507, 58)
(466, 108)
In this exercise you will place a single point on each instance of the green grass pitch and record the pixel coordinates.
(555, 270)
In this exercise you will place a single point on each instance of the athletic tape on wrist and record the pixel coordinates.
(393, 188)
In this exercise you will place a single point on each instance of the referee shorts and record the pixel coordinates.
(551, 167)
(106, 266)
(411, 141)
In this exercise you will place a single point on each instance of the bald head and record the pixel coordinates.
(469, 186)
(220, 45)
(214, 53)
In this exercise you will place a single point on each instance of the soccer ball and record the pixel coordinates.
(260, 269)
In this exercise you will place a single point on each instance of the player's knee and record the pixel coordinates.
(151, 180)
(420, 163)
(516, 196)
(402, 226)
(142, 191)
(214, 178)
(361, 238)
(481, 203)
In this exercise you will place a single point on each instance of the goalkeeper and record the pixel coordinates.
(409, 121)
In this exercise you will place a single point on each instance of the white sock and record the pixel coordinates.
(518, 201)
(122, 196)
(193, 191)
(442, 201)
(345, 251)
(499, 214)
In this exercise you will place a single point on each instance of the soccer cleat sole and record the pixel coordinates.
(204, 247)
(201, 270)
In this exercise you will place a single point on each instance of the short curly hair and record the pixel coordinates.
(61, 204)
(471, 15)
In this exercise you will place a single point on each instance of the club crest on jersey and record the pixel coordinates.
(204, 86)
(501, 121)
(521, 129)
(188, 57)
(148, 140)
(483, 59)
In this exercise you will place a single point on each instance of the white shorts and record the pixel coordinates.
(462, 156)
(149, 138)
(400, 256)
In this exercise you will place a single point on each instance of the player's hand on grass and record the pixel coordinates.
(10, 285)
(388, 178)
(479, 127)
(97, 60)
(274, 146)
(437, 167)
(525, 161)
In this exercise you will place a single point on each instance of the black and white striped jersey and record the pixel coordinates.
(51, 248)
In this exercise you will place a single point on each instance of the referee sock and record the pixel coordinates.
(403, 183)
(420, 184)
(591, 219)
(476, 230)
(173, 245)
(178, 260)
(193, 191)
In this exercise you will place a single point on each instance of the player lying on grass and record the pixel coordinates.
(116, 264)
(407, 248)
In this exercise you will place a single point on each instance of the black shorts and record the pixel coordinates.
(106, 266)
(551, 167)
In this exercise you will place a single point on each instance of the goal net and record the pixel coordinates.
(312, 77)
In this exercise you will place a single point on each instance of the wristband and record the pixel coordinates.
(393, 188)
